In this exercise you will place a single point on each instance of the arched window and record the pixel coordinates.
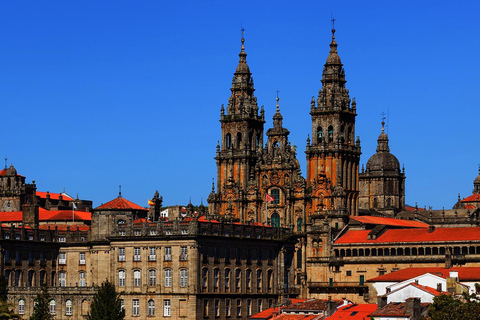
(330, 134)
(299, 224)
(238, 279)
(183, 278)
(228, 141)
(43, 277)
(151, 307)
(62, 279)
(204, 277)
(31, 278)
(389, 202)
(52, 306)
(319, 134)
(136, 278)
(275, 194)
(239, 140)
(21, 306)
(248, 278)
(216, 275)
(18, 274)
(152, 277)
(68, 308)
(275, 220)
(349, 134)
(270, 279)
(259, 279)
(342, 133)
(168, 277)
(227, 279)
(82, 279)
(85, 307)
(121, 278)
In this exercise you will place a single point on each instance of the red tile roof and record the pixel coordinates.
(464, 274)
(410, 208)
(313, 304)
(412, 235)
(4, 173)
(353, 312)
(268, 313)
(120, 203)
(47, 215)
(389, 221)
(54, 196)
(473, 197)
(81, 227)
(430, 290)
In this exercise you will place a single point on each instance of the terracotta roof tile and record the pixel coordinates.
(412, 235)
(81, 227)
(464, 274)
(473, 197)
(389, 221)
(54, 196)
(353, 312)
(120, 203)
(394, 309)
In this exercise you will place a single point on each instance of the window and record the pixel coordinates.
(43, 275)
(62, 239)
(275, 193)
(183, 253)
(238, 279)
(204, 277)
(183, 278)
(136, 254)
(18, 274)
(168, 253)
(153, 232)
(152, 256)
(330, 134)
(31, 278)
(121, 278)
(275, 220)
(248, 278)
(152, 277)
(249, 307)
(259, 279)
(227, 307)
(217, 308)
(138, 232)
(205, 308)
(68, 308)
(349, 273)
(227, 279)
(239, 140)
(389, 202)
(136, 307)
(136, 278)
(82, 280)
(168, 277)
(21, 306)
(270, 279)
(82, 258)
(216, 273)
(239, 308)
(299, 258)
(166, 308)
(62, 279)
(299, 224)
(122, 304)
(52, 306)
(62, 258)
(151, 308)
(121, 254)
(259, 305)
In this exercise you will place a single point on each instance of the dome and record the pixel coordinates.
(383, 160)
(11, 171)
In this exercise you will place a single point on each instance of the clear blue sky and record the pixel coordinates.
(100, 93)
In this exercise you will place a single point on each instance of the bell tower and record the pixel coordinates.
(333, 155)
(242, 136)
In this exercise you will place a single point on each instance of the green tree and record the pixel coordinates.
(41, 309)
(106, 304)
(3, 288)
(6, 311)
(447, 307)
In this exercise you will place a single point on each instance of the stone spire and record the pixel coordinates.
(476, 183)
(242, 101)
(333, 94)
(382, 141)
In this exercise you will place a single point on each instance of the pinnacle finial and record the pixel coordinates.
(120, 191)
(278, 107)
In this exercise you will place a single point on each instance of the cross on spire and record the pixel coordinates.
(120, 190)
(333, 23)
(243, 32)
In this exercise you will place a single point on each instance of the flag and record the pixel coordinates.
(74, 206)
(151, 203)
(269, 198)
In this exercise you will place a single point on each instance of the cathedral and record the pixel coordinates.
(269, 233)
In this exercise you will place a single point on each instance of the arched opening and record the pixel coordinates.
(319, 134)
(228, 140)
(330, 134)
(239, 140)
(275, 219)
(389, 202)
(275, 194)
(299, 224)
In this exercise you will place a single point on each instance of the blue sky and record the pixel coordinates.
(95, 94)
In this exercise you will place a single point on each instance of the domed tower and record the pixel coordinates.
(242, 135)
(333, 154)
(382, 184)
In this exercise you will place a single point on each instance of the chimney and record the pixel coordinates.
(431, 229)
(331, 307)
(381, 301)
(413, 308)
(439, 287)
